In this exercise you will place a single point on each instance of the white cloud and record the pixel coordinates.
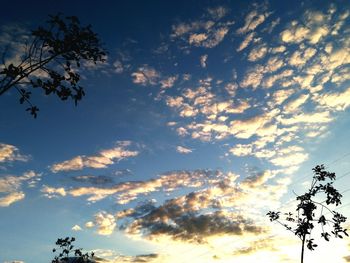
(89, 224)
(51, 192)
(183, 150)
(290, 159)
(242, 149)
(76, 228)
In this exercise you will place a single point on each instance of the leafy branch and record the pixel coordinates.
(51, 61)
(70, 254)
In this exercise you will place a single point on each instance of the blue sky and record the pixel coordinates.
(205, 111)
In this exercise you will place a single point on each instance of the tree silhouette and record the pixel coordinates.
(302, 223)
(51, 61)
(69, 254)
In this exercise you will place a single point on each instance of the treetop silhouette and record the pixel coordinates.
(303, 222)
(69, 254)
(51, 61)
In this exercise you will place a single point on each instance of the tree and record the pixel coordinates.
(69, 254)
(51, 61)
(306, 217)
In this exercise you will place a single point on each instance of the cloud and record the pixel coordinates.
(89, 224)
(279, 96)
(300, 58)
(272, 25)
(290, 156)
(76, 228)
(314, 28)
(10, 153)
(257, 53)
(204, 32)
(337, 101)
(252, 126)
(11, 186)
(217, 36)
(12, 40)
(180, 221)
(11, 198)
(128, 191)
(110, 256)
(294, 105)
(105, 223)
(118, 67)
(254, 19)
(247, 40)
(308, 118)
(203, 61)
(202, 103)
(295, 33)
(225, 207)
(102, 160)
(145, 75)
(168, 82)
(51, 192)
(93, 179)
(218, 12)
(242, 150)
(183, 150)
(197, 39)
(253, 77)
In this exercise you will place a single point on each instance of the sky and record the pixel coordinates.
(205, 116)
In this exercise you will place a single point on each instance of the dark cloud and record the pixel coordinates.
(93, 179)
(180, 219)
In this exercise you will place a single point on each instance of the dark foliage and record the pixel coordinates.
(302, 223)
(51, 61)
(69, 254)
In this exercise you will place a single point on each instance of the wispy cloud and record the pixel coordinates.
(12, 187)
(10, 153)
(183, 150)
(127, 191)
(203, 61)
(102, 160)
